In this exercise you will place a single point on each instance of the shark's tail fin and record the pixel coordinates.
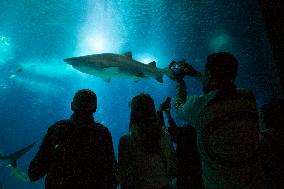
(18, 154)
(168, 72)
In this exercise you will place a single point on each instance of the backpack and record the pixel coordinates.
(227, 118)
(78, 154)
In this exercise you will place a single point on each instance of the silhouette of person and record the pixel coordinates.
(78, 152)
(146, 154)
(189, 172)
(226, 123)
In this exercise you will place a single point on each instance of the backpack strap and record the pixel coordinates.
(60, 130)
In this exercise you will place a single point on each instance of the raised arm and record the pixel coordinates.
(183, 104)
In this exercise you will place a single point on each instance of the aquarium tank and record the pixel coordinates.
(37, 85)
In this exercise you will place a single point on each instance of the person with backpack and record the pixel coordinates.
(272, 142)
(78, 152)
(146, 157)
(226, 122)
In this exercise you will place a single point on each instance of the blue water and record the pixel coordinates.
(36, 86)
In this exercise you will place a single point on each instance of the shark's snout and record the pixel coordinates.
(69, 61)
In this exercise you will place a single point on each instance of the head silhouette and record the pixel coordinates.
(142, 109)
(84, 101)
(220, 71)
(143, 119)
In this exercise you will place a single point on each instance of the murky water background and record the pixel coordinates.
(36, 86)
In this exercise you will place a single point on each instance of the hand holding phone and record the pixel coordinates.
(166, 105)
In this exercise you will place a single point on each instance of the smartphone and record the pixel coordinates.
(167, 103)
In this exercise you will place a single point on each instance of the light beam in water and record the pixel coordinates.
(96, 43)
(6, 51)
(221, 42)
(100, 32)
(145, 58)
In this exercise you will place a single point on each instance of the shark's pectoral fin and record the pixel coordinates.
(128, 54)
(107, 73)
(140, 74)
(14, 164)
(108, 80)
(159, 79)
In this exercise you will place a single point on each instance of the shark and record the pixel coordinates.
(10, 161)
(18, 174)
(110, 65)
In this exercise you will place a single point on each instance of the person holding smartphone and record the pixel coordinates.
(226, 122)
(189, 175)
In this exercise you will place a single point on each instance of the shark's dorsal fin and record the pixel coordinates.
(140, 74)
(153, 64)
(128, 54)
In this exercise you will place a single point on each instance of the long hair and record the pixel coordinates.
(143, 118)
